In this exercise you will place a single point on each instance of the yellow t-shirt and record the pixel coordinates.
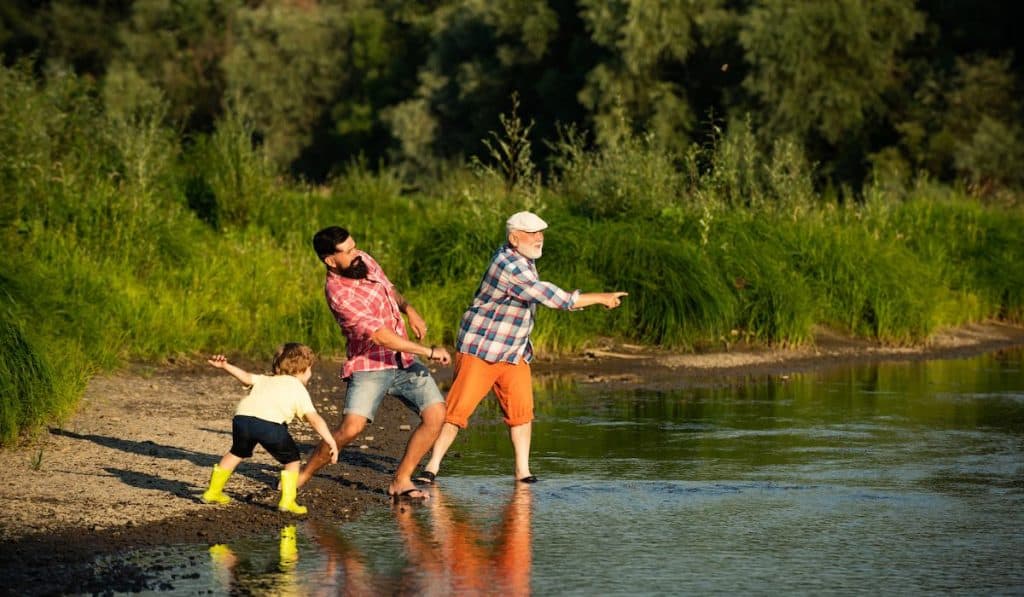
(276, 398)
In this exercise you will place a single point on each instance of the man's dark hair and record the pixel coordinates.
(326, 241)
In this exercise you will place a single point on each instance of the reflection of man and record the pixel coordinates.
(516, 552)
(454, 559)
(346, 571)
(369, 311)
(494, 349)
(458, 553)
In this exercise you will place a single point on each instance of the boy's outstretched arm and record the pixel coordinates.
(221, 362)
(320, 426)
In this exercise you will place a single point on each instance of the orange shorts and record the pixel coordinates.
(475, 377)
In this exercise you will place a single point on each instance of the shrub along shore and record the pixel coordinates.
(124, 241)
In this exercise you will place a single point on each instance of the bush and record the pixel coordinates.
(633, 180)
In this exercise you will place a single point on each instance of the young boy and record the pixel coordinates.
(262, 418)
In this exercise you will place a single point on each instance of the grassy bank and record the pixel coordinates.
(124, 242)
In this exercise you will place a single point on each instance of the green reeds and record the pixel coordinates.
(977, 251)
(775, 302)
(870, 288)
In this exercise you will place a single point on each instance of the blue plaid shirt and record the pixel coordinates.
(497, 326)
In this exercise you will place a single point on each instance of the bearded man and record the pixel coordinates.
(494, 349)
(380, 360)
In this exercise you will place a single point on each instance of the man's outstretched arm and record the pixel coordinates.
(609, 299)
(389, 339)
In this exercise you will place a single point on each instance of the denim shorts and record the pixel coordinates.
(414, 386)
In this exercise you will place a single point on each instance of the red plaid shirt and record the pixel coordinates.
(361, 307)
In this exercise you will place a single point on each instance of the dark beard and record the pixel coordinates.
(356, 270)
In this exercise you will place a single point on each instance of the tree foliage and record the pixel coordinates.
(179, 47)
(823, 67)
(643, 83)
(902, 87)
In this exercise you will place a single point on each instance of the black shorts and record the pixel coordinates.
(246, 432)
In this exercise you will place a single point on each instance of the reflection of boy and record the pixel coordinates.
(284, 583)
(262, 418)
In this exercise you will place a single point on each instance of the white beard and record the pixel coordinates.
(531, 253)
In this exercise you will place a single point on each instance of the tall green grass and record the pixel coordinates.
(39, 382)
(866, 287)
(975, 250)
(776, 304)
(125, 242)
(26, 383)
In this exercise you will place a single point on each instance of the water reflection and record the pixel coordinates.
(241, 574)
(454, 554)
(445, 550)
(346, 570)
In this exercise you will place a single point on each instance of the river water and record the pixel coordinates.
(897, 478)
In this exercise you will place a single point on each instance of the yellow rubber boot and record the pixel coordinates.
(222, 555)
(215, 494)
(289, 487)
(289, 549)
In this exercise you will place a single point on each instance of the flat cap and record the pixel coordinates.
(525, 221)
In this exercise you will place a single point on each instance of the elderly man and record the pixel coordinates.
(494, 349)
(380, 361)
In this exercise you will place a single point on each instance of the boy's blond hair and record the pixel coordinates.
(292, 358)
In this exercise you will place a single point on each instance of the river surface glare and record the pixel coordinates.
(898, 478)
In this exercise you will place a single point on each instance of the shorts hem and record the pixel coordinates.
(369, 418)
(442, 402)
(517, 422)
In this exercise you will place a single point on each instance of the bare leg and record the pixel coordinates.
(229, 461)
(520, 436)
(420, 441)
(351, 427)
(444, 441)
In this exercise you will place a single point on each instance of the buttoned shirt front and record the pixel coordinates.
(361, 307)
(497, 326)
